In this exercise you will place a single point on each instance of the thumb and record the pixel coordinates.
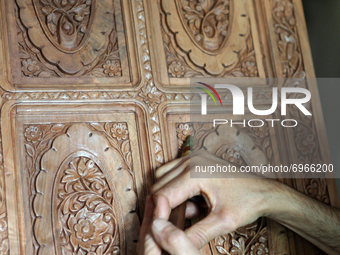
(172, 239)
(202, 232)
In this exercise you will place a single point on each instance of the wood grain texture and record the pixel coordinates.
(119, 70)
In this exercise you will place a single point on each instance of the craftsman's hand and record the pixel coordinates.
(237, 201)
(171, 239)
(157, 234)
(233, 202)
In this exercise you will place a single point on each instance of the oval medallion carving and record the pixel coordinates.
(206, 21)
(208, 34)
(65, 22)
(85, 221)
(70, 34)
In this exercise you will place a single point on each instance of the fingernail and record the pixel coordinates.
(159, 224)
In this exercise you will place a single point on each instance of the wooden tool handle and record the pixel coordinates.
(177, 215)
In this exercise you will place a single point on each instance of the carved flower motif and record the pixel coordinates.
(232, 157)
(305, 142)
(151, 95)
(249, 68)
(33, 134)
(30, 67)
(183, 131)
(176, 69)
(119, 131)
(284, 11)
(258, 249)
(87, 172)
(261, 131)
(87, 229)
(112, 68)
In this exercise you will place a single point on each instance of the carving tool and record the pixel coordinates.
(177, 215)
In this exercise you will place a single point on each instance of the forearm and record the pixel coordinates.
(313, 220)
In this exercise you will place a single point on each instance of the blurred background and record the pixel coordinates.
(323, 23)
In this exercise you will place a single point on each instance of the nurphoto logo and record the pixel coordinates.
(239, 103)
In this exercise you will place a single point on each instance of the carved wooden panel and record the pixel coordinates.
(70, 42)
(80, 187)
(206, 39)
(95, 96)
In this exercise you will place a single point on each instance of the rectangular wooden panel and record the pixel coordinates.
(78, 177)
(59, 44)
(207, 40)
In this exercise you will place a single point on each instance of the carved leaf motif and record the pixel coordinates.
(29, 150)
(57, 128)
(126, 146)
(52, 22)
(98, 127)
(221, 250)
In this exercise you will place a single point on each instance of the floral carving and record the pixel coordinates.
(232, 156)
(248, 240)
(67, 20)
(30, 67)
(33, 134)
(112, 68)
(4, 246)
(249, 68)
(305, 142)
(151, 95)
(208, 21)
(119, 131)
(178, 66)
(87, 229)
(261, 132)
(176, 69)
(183, 130)
(85, 201)
(67, 24)
(86, 210)
(289, 48)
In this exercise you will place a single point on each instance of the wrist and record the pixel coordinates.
(277, 201)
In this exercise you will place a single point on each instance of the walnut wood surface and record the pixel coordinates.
(95, 96)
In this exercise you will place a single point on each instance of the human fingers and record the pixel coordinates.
(171, 174)
(146, 243)
(215, 224)
(172, 239)
(167, 167)
(192, 210)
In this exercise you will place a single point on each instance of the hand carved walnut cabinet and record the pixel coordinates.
(95, 96)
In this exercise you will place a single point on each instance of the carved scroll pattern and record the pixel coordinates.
(306, 141)
(67, 22)
(84, 199)
(251, 239)
(208, 21)
(178, 66)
